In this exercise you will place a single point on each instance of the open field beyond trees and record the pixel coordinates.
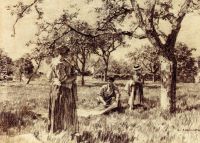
(24, 114)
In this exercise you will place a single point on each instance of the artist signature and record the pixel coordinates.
(188, 130)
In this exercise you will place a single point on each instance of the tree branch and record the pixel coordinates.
(184, 10)
(138, 13)
(55, 40)
(122, 11)
(145, 66)
(20, 15)
(150, 28)
(171, 40)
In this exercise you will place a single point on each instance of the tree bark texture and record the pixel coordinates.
(154, 77)
(35, 72)
(168, 85)
(83, 73)
(106, 61)
(82, 79)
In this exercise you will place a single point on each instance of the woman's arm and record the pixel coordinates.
(66, 74)
(50, 74)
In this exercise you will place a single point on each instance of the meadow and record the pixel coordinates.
(24, 111)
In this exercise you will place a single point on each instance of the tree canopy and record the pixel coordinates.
(146, 22)
(6, 64)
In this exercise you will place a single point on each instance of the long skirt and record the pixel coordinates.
(62, 109)
(138, 91)
(136, 97)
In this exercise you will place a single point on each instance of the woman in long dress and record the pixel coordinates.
(135, 88)
(62, 102)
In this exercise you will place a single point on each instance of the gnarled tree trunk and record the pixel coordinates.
(83, 74)
(168, 85)
(82, 80)
(154, 77)
(106, 62)
(106, 72)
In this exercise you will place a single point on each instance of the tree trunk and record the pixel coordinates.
(20, 77)
(168, 85)
(106, 62)
(83, 73)
(101, 75)
(154, 77)
(93, 72)
(106, 72)
(35, 72)
(29, 79)
(82, 79)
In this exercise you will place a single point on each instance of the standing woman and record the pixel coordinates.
(62, 102)
(138, 84)
(134, 87)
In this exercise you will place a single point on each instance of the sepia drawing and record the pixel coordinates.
(99, 71)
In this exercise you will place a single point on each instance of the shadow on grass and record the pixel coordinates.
(17, 119)
(193, 107)
(104, 136)
(188, 108)
(147, 105)
(94, 84)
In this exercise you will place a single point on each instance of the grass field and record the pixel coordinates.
(24, 110)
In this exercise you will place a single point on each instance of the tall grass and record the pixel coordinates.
(26, 106)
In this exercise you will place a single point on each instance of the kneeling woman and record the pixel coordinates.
(109, 95)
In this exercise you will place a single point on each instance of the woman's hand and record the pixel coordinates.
(56, 81)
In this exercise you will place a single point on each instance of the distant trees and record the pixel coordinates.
(147, 18)
(79, 36)
(6, 64)
(81, 49)
(24, 66)
(186, 68)
(37, 56)
(97, 66)
(148, 58)
(149, 22)
(122, 67)
(106, 44)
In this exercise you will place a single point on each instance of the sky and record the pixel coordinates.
(25, 28)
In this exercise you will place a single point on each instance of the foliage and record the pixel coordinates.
(148, 58)
(81, 48)
(148, 16)
(24, 66)
(37, 55)
(105, 45)
(120, 67)
(146, 23)
(6, 64)
(186, 68)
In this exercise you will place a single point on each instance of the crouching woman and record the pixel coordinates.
(109, 96)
